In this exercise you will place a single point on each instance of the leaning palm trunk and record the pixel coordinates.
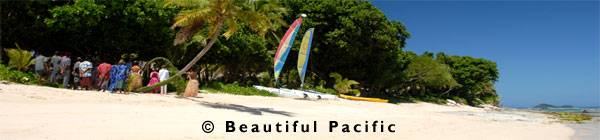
(145, 67)
(189, 65)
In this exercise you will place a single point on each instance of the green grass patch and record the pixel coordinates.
(237, 90)
(323, 90)
(567, 116)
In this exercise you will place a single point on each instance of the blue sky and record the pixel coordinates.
(546, 51)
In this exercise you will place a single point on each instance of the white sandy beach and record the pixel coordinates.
(32, 112)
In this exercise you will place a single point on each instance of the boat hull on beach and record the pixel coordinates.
(363, 98)
(290, 93)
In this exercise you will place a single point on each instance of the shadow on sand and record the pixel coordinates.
(241, 108)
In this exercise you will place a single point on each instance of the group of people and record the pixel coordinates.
(121, 77)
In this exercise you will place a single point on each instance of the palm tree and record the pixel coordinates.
(274, 13)
(207, 17)
(343, 85)
(19, 59)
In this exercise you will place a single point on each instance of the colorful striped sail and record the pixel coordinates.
(304, 53)
(284, 47)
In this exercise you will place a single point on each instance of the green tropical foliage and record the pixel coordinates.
(102, 29)
(475, 77)
(354, 39)
(207, 17)
(19, 59)
(17, 76)
(343, 85)
(424, 72)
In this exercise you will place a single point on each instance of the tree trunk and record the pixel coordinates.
(189, 65)
(244, 75)
(447, 91)
(204, 50)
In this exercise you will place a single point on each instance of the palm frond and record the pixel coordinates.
(189, 17)
(188, 31)
(199, 37)
(233, 27)
(187, 3)
(19, 59)
(352, 82)
(336, 76)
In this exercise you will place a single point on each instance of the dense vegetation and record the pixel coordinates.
(6, 73)
(351, 38)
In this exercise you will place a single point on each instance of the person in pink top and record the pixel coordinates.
(153, 80)
(104, 76)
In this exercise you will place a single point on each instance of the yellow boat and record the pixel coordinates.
(363, 98)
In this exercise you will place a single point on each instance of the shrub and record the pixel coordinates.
(433, 99)
(459, 100)
(265, 79)
(216, 85)
(179, 82)
(17, 76)
(491, 99)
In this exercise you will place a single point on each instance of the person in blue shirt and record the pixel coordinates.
(121, 76)
(85, 72)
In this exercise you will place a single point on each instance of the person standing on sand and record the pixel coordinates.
(95, 74)
(76, 77)
(121, 74)
(163, 74)
(135, 78)
(40, 67)
(153, 80)
(191, 90)
(113, 78)
(55, 60)
(85, 72)
(104, 76)
(65, 69)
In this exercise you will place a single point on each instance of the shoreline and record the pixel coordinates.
(32, 112)
(586, 131)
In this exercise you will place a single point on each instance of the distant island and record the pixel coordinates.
(546, 106)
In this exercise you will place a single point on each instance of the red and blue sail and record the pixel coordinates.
(284, 47)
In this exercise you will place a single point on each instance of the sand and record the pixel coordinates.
(32, 112)
(586, 131)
